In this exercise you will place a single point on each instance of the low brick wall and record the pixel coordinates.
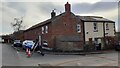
(69, 43)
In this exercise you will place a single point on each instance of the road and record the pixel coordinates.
(12, 57)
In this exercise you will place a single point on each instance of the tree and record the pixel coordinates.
(17, 24)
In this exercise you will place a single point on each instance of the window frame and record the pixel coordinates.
(43, 29)
(46, 29)
(78, 28)
(95, 27)
(107, 26)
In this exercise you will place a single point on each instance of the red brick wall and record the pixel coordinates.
(34, 34)
(64, 25)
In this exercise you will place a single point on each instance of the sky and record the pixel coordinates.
(36, 11)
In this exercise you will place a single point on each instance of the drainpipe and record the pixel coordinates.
(104, 43)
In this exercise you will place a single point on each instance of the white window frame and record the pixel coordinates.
(78, 28)
(95, 27)
(43, 30)
(46, 29)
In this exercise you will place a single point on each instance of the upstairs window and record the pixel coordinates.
(78, 28)
(95, 25)
(46, 29)
(42, 30)
(107, 26)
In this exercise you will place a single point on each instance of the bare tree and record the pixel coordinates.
(17, 24)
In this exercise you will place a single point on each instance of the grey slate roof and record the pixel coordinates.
(94, 18)
(45, 22)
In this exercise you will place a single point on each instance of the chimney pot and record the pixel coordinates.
(53, 14)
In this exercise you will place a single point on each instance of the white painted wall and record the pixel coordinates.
(111, 29)
(90, 29)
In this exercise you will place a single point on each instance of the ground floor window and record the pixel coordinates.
(45, 43)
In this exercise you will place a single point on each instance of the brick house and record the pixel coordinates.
(19, 35)
(69, 32)
(6, 38)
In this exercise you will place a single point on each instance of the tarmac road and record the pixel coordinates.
(12, 57)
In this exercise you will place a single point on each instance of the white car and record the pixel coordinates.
(28, 43)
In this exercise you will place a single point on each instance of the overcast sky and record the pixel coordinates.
(36, 12)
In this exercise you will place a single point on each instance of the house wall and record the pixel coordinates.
(32, 34)
(89, 30)
(111, 30)
(66, 25)
(47, 36)
(110, 36)
(107, 41)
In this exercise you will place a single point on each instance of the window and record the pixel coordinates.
(95, 27)
(42, 30)
(107, 27)
(78, 28)
(46, 29)
(45, 43)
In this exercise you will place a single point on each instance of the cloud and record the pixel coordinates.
(32, 12)
(96, 7)
(19, 6)
(36, 12)
(92, 1)
(107, 10)
(8, 14)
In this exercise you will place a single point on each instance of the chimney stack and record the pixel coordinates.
(67, 7)
(53, 14)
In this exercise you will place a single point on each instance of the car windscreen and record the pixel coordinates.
(30, 43)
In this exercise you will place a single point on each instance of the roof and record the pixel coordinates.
(45, 22)
(94, 18)
(83, 18)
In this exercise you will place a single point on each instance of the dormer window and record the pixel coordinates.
(95, 27)
(78, 28)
